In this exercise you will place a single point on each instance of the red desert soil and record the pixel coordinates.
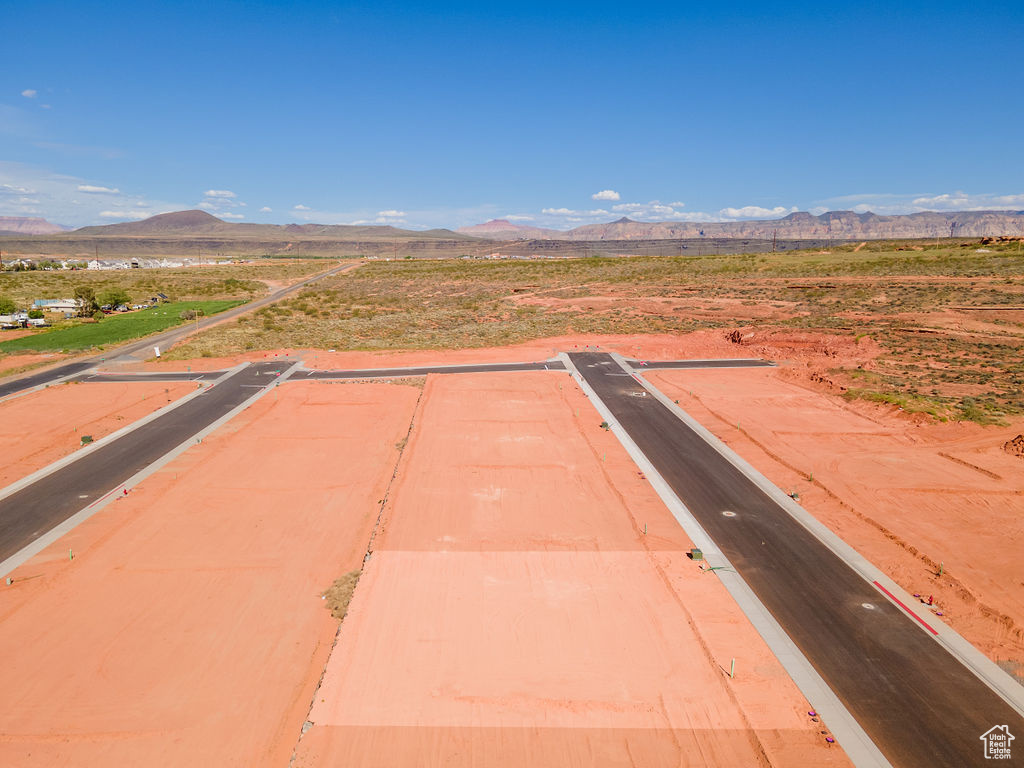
(907, 494)
(44, 426)
(189, 629)
(653, 346)
(11, 363)
(529, 602)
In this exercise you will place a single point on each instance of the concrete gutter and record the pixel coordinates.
(853, 739)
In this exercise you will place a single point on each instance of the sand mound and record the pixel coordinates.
(1015, 447)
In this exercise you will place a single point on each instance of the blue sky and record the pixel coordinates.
(549, 114)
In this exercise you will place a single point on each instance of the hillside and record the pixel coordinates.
(200, 223)
(503, 229)
(26, 225)
(835, 225)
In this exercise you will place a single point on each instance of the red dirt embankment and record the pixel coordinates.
(9, 364)
(189, 628)
(529, 602)
(43, 426)
(910, 495)
(654, 346)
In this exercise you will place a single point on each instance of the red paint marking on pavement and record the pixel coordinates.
(101, 498)
(901, 605)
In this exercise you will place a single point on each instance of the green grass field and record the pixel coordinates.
(113, 328)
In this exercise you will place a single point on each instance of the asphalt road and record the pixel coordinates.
(37, 508)
(917, 702)
(164, 340)
(44, 377)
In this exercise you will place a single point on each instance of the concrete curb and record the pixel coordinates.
(37, 546)
(858, 746)
(983, 667)
(86, 450)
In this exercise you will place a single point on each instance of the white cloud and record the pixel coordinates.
(605, 194)
(301, 207)
(570, 212)
(517, 217)
(266, 209)
(29, 93)
(755, 212)
(389, 217)
(232, 215)
(64, 199)
(947, 202)
(892, 204)
(131, 215)
(678, 205)
(220, 201)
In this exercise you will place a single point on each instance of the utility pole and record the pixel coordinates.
(775, 234)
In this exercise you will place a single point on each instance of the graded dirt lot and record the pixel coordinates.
(908, 493)
(43, 426)
(529, 602)
(189, 628)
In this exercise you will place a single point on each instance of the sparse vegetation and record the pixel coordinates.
(244, 281)
(939, 356)
(339, 594)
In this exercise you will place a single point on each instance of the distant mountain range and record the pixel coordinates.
(24, 225)
(175, 233)
(192, 223)
(191, 234)
(503, 229)
(838, 225)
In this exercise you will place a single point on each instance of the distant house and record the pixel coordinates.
(55, 305)
(14, 320)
